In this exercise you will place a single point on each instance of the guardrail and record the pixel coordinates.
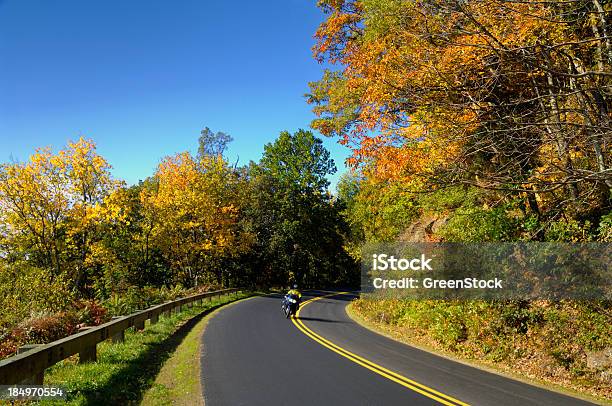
(29, 366)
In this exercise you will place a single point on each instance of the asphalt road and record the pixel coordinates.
(252, 355)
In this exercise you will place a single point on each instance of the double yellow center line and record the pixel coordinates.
(393, 376)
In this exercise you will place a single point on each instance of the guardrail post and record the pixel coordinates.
(120, 336)
(154, 318)
(88, 354)
(139, 325)
(38, 378)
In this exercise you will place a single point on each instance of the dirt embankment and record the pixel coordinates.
(424, 229)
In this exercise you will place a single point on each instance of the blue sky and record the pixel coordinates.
(143, 77)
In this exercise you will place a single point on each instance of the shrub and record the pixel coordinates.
(8, 346)
(45, 329)
(138, 298)
(480, 225)
(569, 231)
(117, 305)
(605, 228)
(516, 317)
(449, 328)
(26, 290)
(40, 329)
(91, 313)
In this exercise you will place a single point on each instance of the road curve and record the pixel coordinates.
(252, 355)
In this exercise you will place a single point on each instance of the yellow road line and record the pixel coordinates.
(393, 376)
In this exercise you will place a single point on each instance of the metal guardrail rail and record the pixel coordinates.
(29, 367)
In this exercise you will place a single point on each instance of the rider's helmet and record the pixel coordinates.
(295, 286)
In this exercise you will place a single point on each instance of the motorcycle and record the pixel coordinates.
(290, 305)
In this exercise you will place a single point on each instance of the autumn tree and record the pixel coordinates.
(127, 249)
(50, 208)
(508, 96)
(194, 215)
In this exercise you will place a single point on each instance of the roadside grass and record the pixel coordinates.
(178, 382)
(125, 371)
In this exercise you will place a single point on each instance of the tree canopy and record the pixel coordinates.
(67, 223)
(510, 96)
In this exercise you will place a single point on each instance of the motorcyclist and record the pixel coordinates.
(294, 294)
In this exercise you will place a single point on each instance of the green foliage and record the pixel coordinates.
(375, 211)
(605, 228)
(451, 198)
(26, 290)
(480, 225)
(449, 327)
(298, 162)
(138, 298)
(299, 229)
(348, 189)
(570, 230)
